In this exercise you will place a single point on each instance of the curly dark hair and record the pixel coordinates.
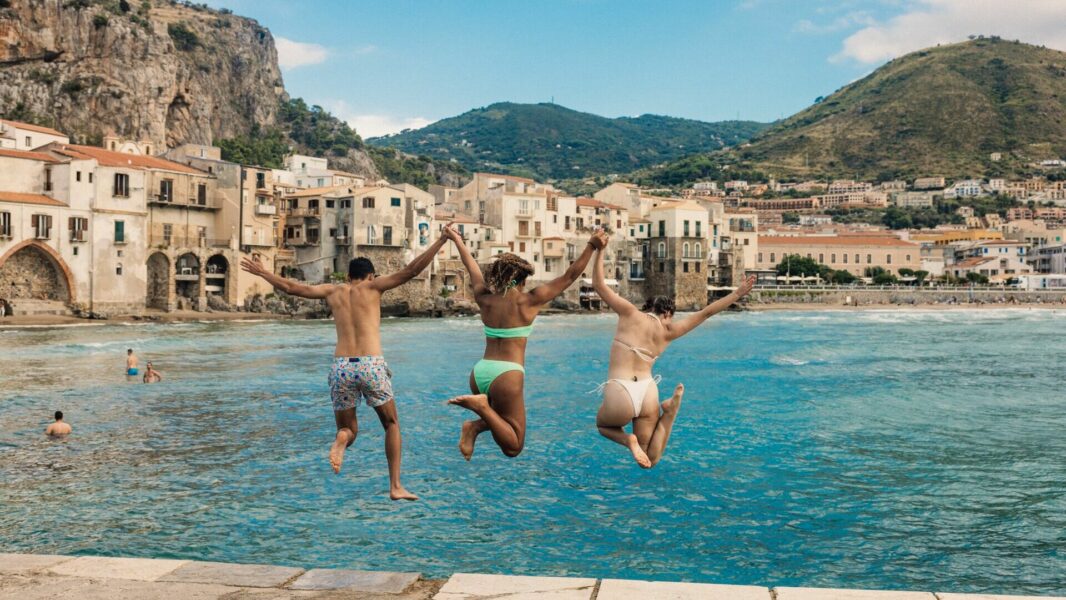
(507, 271)
(659, 305)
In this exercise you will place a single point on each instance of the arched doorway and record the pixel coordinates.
(187, 276)
(158, 282)
(215, 276)
(32, 271)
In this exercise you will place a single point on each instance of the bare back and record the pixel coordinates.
(642, 332)
(504, 311)
(356, 310)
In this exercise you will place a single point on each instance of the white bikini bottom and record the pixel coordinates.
(637, 390)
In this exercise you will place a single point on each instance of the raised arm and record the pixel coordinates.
(680, 328)
(617, 303)
(413, 268)
(288, 286)
(542, 294)
(477, 278)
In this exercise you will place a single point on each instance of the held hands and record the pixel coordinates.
(599, 240)
(452, 234)
(253, 266)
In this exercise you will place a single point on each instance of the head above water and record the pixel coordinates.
(360, 268)
(59, 415)
(660, 305)
(149, 364)
(506, 272)
(129, 351)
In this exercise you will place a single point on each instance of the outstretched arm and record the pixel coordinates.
(617, 303)
(543, 294)
(294, 288)
(413, 268)
(680, 328)
(477, 278)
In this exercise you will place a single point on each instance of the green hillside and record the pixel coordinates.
(550, 142)
(939, 111)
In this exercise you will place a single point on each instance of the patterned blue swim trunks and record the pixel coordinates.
(359, 376)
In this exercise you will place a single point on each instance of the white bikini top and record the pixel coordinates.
(642, 353)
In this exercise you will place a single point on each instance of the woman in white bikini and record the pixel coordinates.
(630, 394)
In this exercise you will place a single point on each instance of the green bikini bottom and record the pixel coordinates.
(486, 371)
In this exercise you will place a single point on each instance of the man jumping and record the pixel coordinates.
(359, 369)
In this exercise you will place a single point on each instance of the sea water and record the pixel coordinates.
(906, 450)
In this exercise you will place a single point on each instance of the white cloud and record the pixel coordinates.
(369, 125)
(848, 21)
(930, 22)
(292, 55)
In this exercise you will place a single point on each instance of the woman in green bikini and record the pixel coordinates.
(507, 311)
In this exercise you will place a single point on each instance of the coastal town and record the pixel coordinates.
(128, 228)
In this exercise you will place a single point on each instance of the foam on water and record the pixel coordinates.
(880, 449)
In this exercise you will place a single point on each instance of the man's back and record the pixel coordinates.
(59, 428)
(356, 310)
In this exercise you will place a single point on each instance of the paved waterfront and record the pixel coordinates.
(33, 577)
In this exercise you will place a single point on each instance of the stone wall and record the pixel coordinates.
(689, 290)
(415, 295)
(31, 274)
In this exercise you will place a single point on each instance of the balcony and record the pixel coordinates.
(313, 213)
(266, 209)
(181, 241)
(163, 200)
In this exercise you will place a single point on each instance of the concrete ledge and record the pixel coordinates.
(470, 586)
(790, 593)
(622, 589)
(257, 576)
(136, 569)
(17, 564)
(382, 582)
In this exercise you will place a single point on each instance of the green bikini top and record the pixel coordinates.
(508, 332)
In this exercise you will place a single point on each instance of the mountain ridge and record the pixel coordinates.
(548, 141)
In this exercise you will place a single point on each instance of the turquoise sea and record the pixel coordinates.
(906, 450)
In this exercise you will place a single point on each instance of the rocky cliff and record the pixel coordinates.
(155, 70)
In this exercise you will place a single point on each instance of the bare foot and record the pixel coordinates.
(400, 493)
(467, 438)
(472, 402)
(671, 406)
(638, 453)
(336, 452)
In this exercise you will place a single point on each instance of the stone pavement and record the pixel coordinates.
(40, 577)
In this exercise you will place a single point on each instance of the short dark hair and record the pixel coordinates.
(59, 415)
(659, 305)
(129, 350)
(360, 268)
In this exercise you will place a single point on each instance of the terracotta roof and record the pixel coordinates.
(31, 127)
(345, 174)
(108, 158)
(25, 154)
(834, 240)
(29, 199)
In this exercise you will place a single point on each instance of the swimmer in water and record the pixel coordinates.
(150, 374)
(131, 363)
(60, 428)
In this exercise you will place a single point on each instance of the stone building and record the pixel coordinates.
(675, 265)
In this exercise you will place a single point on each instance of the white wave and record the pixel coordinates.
(784, 360)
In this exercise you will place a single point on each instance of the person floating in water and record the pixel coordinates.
(359, 369)
(60, 428)
(630, 394)
(131, 363)
(507, 312)
(150, 374)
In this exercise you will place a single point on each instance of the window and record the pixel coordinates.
(78, 226)
(662, 228)
(260, 180)
(333, 232)
(697, 267)
(330, 203)
(869, 259)
(168, 233)
(201, 234)
(166, 190)
(662, 267)
(821, 258)
(118, 269)
(685, 250)
(521, 246)
(312, 235)
(684, 267)
(618, 224)
(395, 201)
(699, 250)
(5, 224)
(845, 259)
(371, 232)
(368, 202)
(908, 258)
(773, 257)
(760, 257)
(566, 222)
(90, 177)
(555, 218)
(856, 259)
(48, 179)
(386, 235)
(77, 176)
(888, 258)
(698, 234)
(661, 251)
(686, 228)
(122, 185)
(120, 232)
(42, 226)
(833, 258)
(201, 194)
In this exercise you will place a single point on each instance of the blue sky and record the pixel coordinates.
(388, 64)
